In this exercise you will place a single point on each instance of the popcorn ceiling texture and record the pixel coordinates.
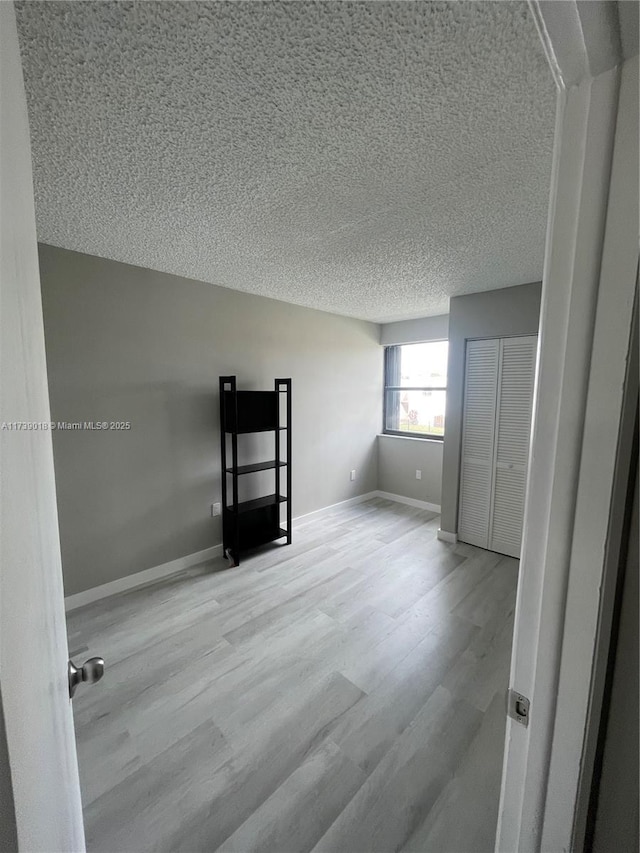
(365, 158)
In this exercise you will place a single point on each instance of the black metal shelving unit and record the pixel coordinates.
(248, 524)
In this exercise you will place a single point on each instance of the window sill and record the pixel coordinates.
(439, 441)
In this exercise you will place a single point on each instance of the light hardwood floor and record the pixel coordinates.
(344, 694)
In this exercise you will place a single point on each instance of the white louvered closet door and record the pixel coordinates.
(512, 435)
(478, 441)
(498, 395)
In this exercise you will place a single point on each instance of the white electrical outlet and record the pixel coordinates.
(215, 510)
(418, 474)
(353, 474)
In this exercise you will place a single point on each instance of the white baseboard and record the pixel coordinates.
(446, 536)
(358, 499)
(71, 602)
(408, 501)
(88, 596)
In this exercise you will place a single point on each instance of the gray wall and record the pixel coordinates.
(415, 331)
(398, 459)
(128, 344)
(492, 314)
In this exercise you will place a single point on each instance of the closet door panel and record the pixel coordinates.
(473, 525)
(508, 511)
(515, 399)
(478, 439)
(512, 436)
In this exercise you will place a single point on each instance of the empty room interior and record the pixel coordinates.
(291, 259)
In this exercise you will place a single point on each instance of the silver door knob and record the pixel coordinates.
(90, 671)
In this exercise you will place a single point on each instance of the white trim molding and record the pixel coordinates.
(401, 499)
(156, 573)
(148, 576)
(358, 499)
(589, 284)
(88, 596)
(447, 536)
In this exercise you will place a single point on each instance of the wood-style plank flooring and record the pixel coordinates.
(344, 694)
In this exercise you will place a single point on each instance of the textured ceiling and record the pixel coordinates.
(366, 158)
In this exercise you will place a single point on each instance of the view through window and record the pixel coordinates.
(416, 389)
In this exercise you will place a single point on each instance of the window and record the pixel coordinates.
(415, 389)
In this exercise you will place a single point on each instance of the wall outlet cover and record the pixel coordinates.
(215, 510)
(418, 474)
(353, 474)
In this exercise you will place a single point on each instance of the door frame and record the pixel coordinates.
(40, 803)
(578, 439)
